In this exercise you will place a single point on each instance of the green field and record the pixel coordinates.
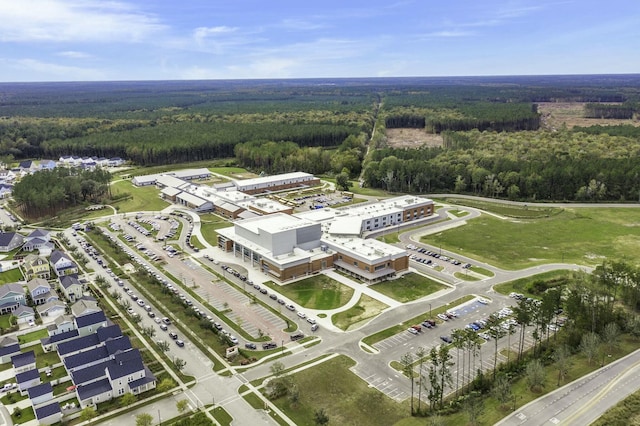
(366, 308)
(509, 210)
(146, 198)
(209, 225)
(522, 285)
(582, 236)
(346, 399)
(232, 172)
(10, 276)
(408, 287)
(316, 292)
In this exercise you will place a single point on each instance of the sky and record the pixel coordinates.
(101, 40)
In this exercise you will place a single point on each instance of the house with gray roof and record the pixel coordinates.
(40, 291)
(8, 348)
(84, 306)
(35, 266)
(27, 379)
(24, 314)
(90, 323)
(11, 296)
(24, 361)
(52, 309)
(10, 241)
(48, 414)
(62, 264)
(5, 190)
(71, 287)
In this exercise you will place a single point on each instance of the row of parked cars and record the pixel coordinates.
(417, 328)
(434, 255)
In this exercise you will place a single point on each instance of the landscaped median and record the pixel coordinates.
(388, 332)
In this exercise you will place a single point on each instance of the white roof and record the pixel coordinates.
(168, 180)
(346, 226)
(192, 199)
(269, 179)
(369, 250)
(170, 191)
(187, 173)
(274, 223)
(146, 178)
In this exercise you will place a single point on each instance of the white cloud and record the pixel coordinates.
(47, 71)
(301, 24)
(73, 54)
(74, 20)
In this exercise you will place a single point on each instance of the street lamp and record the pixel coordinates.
(282, 345)
(429, 310)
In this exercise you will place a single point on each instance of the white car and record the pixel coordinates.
(412, 330)
(311, 320)
(302, 314)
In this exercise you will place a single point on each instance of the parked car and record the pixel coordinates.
(412, 330)
(446, 339)
(269, 345)
(173, 335)
(180, 343)
(251, 346)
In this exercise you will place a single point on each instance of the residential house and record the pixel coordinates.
(5, 190)
(71, 287)
(51, 343)
(10, 241)
(53, 309)
(61, 325)
(27, 379)
(90, 323)
(84, 306)
(36, 240)
(11, 296)
(62, 264)
(8, 348)
(40, 291)
(48, 414)
(47, 164)
(77, 345)
(115, 162)
(102, 162)
(41, 393)
(24, 314)
(35, 266)
(27, 166)
(7, 176)
(24, 362)
(96, 355)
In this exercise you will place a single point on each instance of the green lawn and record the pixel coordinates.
(209, 226)
(34, 335)
(465, 276)
(316, 292)
(11, 276)
(146, 198)
(408, 287)
(222, 417)
(196, 243)
(366, 308)
(4, 321)
(232, 171)
(583, 236)
(346, 399)
(515, 211)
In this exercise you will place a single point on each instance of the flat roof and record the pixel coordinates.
(193, 199)
(170, 191)
(274, 223)
(369, 250)
(270, 179)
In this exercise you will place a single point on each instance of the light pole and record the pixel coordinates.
(159, 418)
(282, 345)
(429, 310)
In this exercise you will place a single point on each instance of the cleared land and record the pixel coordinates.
(346, 399)
(408, 287)
(317, 292)
(582, 236)
(412, 138)
(555, 114)
(145, 198)
(366, 308)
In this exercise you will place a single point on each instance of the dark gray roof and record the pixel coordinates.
(57, 255)
(69, 280)
(125, 363)
(109, 332)
(90, 319)
(41, 389)
(39, 233)
(85, 342)
(93, 389)
(120, 344)
(23, 359)
(148, 378)
(89, 374)
(26, 164)
(47, 410)
(27, 376)
(11, 349)
(71, 334)
(86, 357)
(6, 238)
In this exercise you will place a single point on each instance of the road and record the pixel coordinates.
(584, 400)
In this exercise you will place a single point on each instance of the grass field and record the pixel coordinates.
(509, 210)
(366, 308)
(232, 172)
(316, 292)
(583, 236)
(408, 287)
(346, 399)
(145, 198)
(521, 285)
(210, 223)
(10, 276)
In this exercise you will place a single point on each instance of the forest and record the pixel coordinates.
(493, 140)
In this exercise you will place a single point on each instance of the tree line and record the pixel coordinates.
(48, 191)
(604, 110)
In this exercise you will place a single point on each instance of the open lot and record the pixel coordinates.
(582, 236)
(346, 398)
(412, 138)
(555, 114)
(316, 292)
(142, 198)
(408, 287)
(366, 308)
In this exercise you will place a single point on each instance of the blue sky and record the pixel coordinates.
(75, 40)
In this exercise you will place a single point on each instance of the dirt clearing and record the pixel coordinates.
(554, 114)
(412, 138)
